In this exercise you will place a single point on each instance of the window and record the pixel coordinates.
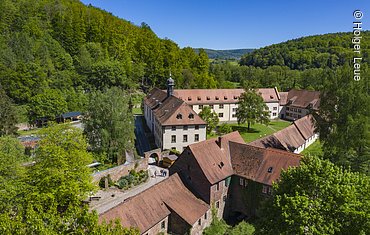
(224, 198)
(287, 108)
(205, 216)
(221, 115)
(200, 106)
(269, 190)
(211, 106)
(163, 225)
(225, 97)
(273, 114)
(233, 115)
(217, 186)
(189, 98)
(245, 183)
(174, 128)
(217, 204)
(191, 116)
(208, 98)
(216, 97)
(234, 109)
(264, 189)
(185, 128)
(221, 106)
(179, 116)
(200, 222)
(241, 181)
(198, 98)
(235, 97)
(185, 138)
(196, 137)
(196, 127)
(173, 138)
(275, 108)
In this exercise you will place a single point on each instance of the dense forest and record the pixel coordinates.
(320, 51)
(233, 54)
(302, 63)
(63, 49)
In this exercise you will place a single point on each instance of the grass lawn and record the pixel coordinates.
(314, 149)
(28, 132)
(257, 130)
(137, 111)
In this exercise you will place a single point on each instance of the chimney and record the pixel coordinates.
(219, 142)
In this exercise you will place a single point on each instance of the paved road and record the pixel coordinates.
(142, 143)
(112, 197)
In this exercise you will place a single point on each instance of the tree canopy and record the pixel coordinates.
(109, 124)
(251, 108)
(210, 117)
(343, 121)
(8, 116)
(52, 47)
(46, 196)
(318, 198)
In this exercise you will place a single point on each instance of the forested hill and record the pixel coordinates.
(320, 51)
(64, 48)
(226, 54)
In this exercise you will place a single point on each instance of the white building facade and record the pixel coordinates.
(224, 102)
(173, 122)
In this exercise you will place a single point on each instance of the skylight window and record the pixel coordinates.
(270, 169)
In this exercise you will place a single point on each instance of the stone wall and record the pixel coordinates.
(121, 170)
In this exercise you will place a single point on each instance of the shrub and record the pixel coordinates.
(132, 179)
(102, 181)
(224, 129)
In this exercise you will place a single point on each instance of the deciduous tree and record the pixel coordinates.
(251, 109)
(109, 124)
(8, 116)
(210, 117)
(343, 120)
(318, 198)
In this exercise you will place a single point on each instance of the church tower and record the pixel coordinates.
(170, 86)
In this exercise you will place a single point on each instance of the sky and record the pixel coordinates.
(235, 24)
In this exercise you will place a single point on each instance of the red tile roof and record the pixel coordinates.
(174, 111)
(149, 207)
(171, 110)
(283, 98)
(221, 96)
(213, 156)
(260, 164)
(154, 98)
(289, 138)
(304, 98)
(306, 126)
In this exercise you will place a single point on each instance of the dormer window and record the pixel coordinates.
(208, 98)
(217, 98)
(235, 97)
(191, 116)
(270, 169)
(225, 97)
(179, 116)
(198, 98)
(189, 98)
(271, 97)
